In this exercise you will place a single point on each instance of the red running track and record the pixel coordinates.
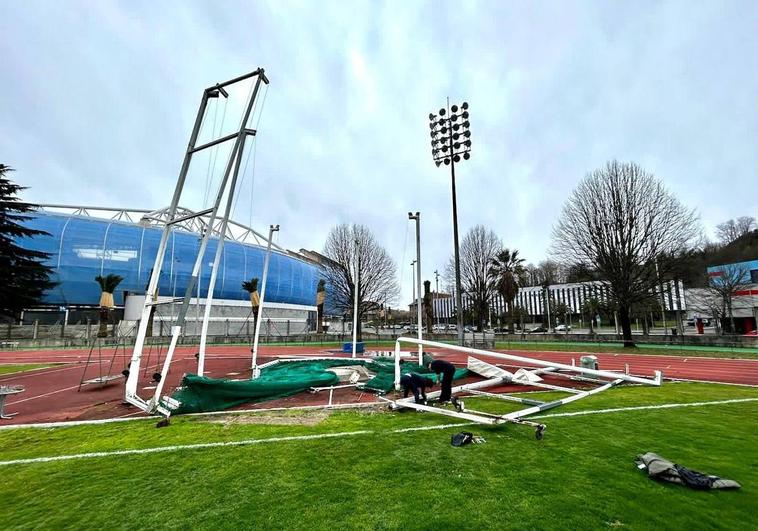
(51, 394)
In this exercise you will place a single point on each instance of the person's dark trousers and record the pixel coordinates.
(408, 385)
(447, 385)
(416, 395)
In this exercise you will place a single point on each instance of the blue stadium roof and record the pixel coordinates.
(83, 247)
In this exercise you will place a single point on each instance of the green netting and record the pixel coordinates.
(384, 368)
(199, 394)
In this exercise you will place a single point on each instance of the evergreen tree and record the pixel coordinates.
(23, 275)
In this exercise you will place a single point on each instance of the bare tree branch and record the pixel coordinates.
(478, 248)
(345, 245)
(622, 222)
(732, 229)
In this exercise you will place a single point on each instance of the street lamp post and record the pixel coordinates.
(451, 141)
(417, 218)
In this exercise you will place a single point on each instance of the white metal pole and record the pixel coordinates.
(256, 369)
(413, 286)
(397, 365)
(355, 298)
(216, 263)
(417, 218)
(436, 298)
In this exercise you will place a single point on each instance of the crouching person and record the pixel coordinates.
(445, 372)
(413, 383)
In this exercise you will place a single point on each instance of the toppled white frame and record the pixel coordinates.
(505, 377)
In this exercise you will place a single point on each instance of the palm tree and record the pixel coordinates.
(504, 271)
(320, 298)
(108, 285)
(251, 287)
(592, 307)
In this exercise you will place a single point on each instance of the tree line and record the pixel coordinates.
(620, 225)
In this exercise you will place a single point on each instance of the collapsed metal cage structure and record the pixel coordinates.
(497, 376)
(210, 222)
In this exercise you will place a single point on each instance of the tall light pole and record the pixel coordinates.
(436, 297)
(413, 285)
(256, 371)
(417, 218)
(451, 140)
(356, 294)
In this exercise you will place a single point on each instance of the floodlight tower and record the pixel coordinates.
(451, 141)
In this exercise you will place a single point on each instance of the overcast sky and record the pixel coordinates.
(98, 99)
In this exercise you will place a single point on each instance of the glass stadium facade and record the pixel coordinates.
(83, 247)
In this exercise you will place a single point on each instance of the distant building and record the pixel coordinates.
(744, 300)
(573, 295)
(84, 242)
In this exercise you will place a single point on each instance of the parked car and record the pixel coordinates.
(439, 328)
(537, 330)
(452, 327)
(562, 328)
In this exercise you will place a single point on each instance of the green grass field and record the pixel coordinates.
(372, 475)
(22, 367)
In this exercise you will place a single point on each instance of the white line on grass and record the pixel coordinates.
(248, 442)
(129, 418)
(174, 448)
(427, 428)
(640, 408)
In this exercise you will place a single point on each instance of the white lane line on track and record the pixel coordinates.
(66, 388)
(52, 370)
(248, 442)
(42, 395)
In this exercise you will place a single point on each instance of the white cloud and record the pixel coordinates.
(99, 100)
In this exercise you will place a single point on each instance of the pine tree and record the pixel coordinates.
(23, 275)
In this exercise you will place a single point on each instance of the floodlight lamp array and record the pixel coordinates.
(450, 134)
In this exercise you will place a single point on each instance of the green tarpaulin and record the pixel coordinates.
(198, 394)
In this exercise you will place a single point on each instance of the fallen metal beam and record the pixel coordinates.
(657, 380)
(509, 398)
(546, 386)
(556, 403)
(465, 416)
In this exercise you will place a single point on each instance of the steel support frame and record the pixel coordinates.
(131, 396)
(657, 380)
(516, 416)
